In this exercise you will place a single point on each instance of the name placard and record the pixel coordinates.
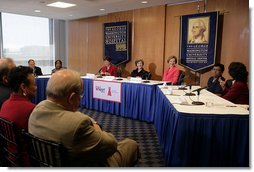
(107, 90)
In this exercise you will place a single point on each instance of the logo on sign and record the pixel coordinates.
(109, 91)
(98, 88)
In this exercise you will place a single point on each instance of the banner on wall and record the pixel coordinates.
(116, 41)
(198, 38)
(107, 90)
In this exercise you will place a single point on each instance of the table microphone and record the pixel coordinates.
(189, 94)
(198, 91)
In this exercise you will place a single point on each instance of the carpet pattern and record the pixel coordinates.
(142, 132)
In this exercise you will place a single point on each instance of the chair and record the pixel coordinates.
(148, 75)
(10, 144)
(181, 78)
(45, 153)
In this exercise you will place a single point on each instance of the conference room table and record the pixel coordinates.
(213, 134)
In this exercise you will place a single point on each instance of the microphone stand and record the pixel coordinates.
(198, 102)
(190, 93)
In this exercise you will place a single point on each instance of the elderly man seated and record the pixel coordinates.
(57, 119)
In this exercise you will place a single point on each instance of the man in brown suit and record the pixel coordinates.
(57, 119)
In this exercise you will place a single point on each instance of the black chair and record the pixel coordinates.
(45, 153)
(148, 75)
(10, 144)
(181, 78)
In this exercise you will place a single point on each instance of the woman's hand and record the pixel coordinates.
(222, 83)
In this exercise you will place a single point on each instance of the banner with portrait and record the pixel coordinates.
(116, 41)
(198, 40)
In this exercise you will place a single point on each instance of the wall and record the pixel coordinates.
(155, 36)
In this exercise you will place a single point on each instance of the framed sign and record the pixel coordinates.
(198, 39)
(116, 41)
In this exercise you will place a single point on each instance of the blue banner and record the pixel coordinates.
(198, 40)
(116, 41)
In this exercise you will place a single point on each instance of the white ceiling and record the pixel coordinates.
(84, 8)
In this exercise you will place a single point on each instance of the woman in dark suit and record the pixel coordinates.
(239, 92)
(139, 71)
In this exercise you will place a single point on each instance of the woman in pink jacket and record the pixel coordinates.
(172, 73)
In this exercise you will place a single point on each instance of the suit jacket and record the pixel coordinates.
(74, 130)
(37, 71)
(143, 74)
(112, 70)
(215, 86)
(171, 75)
(5, 93)
(238, 93)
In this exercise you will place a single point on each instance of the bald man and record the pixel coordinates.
(57, 119)
(5, 90)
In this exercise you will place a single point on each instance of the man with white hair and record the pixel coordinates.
(198, 30)
(57, 119)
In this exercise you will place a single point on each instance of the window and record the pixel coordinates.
(26, 37)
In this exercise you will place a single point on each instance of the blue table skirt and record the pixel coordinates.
(41, 90)
(138, 101)
(201, 140)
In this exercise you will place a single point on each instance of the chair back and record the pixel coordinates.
(10, 144)
(181, 78)
(45, 153)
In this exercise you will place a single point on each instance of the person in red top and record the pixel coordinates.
(238, 93)
(108, 69)
(19, 107)
(172, 73)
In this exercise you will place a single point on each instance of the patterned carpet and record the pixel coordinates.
(142, 132)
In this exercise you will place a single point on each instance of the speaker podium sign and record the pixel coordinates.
(198, 40)
(107, 90)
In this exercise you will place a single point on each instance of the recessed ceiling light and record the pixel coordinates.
(70, 15)
(144, 2)
(61, 5)
(37, 11)
(102, 9)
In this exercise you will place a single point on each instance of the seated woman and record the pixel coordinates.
(58, 66)
(19, 107)
(108, 69)
(172, 73)
(238, 93)
(213, 84)
(139, 71)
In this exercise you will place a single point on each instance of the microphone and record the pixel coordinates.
(199, 89)
(198, 102)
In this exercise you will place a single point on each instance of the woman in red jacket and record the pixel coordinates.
(19, 106)
(238, 93)
(108, 69)
(172, 73)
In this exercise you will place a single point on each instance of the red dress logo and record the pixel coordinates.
(109, 91)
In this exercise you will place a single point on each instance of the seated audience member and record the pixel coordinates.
(239, 92)
(139, 71)
(36, 69)
(213, 84)
(58, 66)
(19, 107)
(5, 90)
(108, 69)
(172, 73)
(57, 119)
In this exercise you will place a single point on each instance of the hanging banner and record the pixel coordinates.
(116, 41)
(107, 90)
(198, 40)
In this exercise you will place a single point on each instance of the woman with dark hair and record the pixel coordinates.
(139, 71)
(172, 73)
(19, 107)
(239, 92)
(58, 66)
(108, 69)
